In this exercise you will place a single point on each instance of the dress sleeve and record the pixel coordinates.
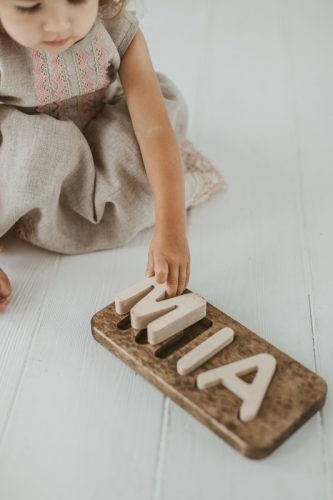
(122, 31)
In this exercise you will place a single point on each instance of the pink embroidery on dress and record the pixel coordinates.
(92, 75)
(85, 72)
(61, 89)
(102, 63)
(86, 83)
(53, 85)
(46, 94)
(42, 80)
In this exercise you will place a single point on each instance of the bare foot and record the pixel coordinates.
(5, 291)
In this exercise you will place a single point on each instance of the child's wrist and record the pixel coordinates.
(170, 226)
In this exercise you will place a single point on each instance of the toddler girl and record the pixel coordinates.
(93, 142)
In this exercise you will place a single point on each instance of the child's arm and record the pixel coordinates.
(169, 256)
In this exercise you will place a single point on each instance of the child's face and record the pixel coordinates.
(32, 23)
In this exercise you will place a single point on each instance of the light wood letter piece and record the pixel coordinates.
(251, 394)
(162, 317)
(293, 396)
(204, 351)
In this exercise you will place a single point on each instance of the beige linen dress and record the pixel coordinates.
(72, 179)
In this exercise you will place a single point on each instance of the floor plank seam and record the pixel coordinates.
(305, 254)
(157, 482)
(321, 418)
(27, 357)
(306, 259)
(325, 455)
(313, 335)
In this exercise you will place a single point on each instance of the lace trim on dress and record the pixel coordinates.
(52, 82)
(62, 86)
(42, 80)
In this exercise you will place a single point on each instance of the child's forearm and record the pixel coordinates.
(165, 171)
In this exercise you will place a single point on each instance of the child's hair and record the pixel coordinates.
(117, 7)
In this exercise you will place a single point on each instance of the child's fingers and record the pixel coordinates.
(188, 271)
(172, 281)
(161, 270)
(150, 266)
(181, 279)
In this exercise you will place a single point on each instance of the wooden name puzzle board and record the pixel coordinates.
(241, 387)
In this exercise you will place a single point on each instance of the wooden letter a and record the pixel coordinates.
(251, 394)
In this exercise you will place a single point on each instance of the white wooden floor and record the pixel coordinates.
(75, 422)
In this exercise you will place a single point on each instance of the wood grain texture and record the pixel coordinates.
(294, 395)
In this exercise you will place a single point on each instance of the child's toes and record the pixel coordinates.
(3, 305)
(5, 290)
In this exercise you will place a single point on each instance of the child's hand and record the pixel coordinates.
(5, 290)
(169, 260)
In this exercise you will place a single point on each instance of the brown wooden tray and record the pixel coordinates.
(293, 396)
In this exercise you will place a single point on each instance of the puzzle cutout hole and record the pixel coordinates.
(182, 338)
(125, 323)
(141, 337)
(175, 342)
